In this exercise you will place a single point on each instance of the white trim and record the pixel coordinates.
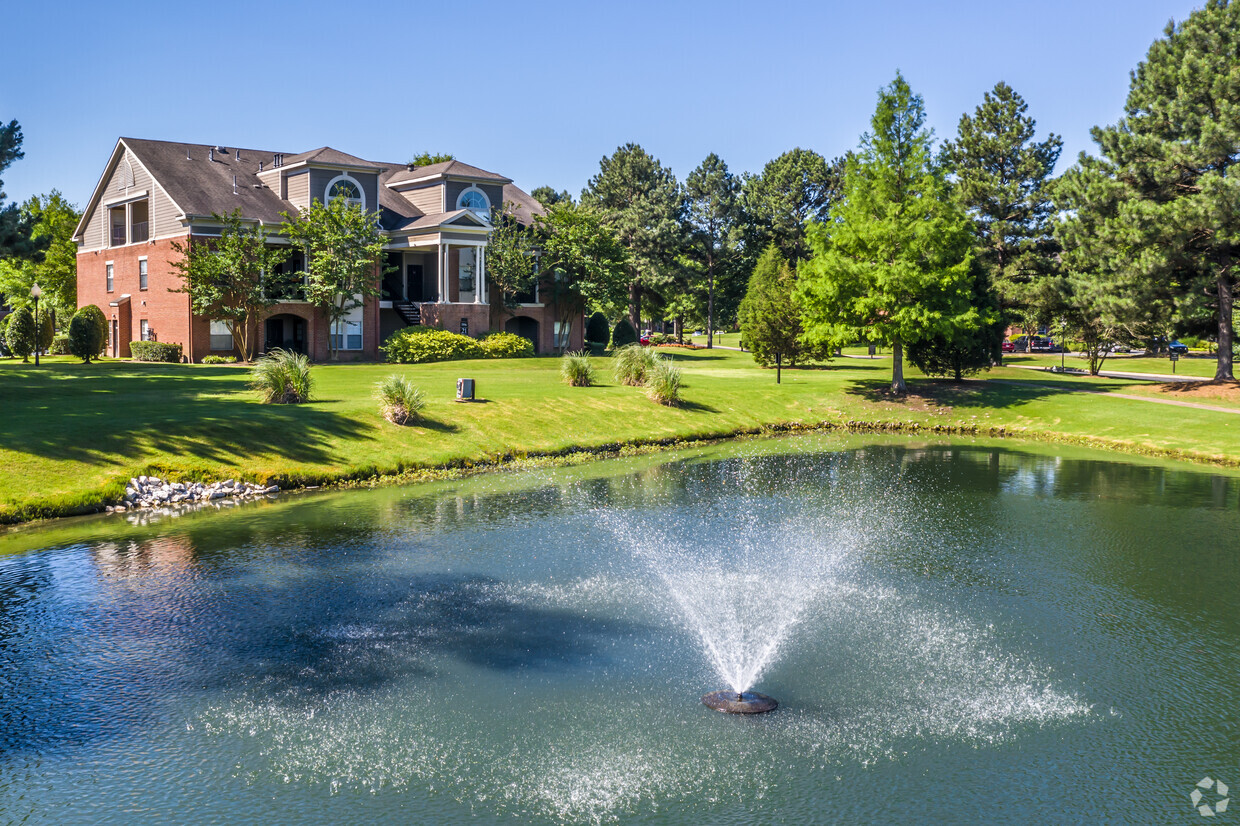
(345, 176)
(466, 191)
(124, 199)
(146, 288)
(109, 284)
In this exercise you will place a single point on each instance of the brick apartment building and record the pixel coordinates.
(435, 220)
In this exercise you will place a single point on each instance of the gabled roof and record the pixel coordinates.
(457, 218)
(329, 157)
(446, 169)
(523, 206)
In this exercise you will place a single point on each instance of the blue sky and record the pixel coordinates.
(541, 91)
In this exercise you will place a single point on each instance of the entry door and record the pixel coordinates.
(116, 339)
(413, 282)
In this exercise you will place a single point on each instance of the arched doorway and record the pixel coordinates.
(285, 331)
(525, 327)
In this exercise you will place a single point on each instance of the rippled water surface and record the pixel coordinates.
(984, 632)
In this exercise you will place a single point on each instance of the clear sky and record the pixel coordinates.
(541, 91)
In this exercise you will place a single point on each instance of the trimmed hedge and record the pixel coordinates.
(422, 346)
(219, 359)
(19, 334)
(597, 329)
(506, 346)
(622, 334)
(155, 351)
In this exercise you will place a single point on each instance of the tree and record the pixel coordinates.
(428, 158)
(893, 264)
(1001, 180)
(1166, 194)
(510, 257)
(343, 248)
(713, 211)
(16, 228)
(87, 333)
(20, 334)
(640, 200)
(597, 329)
(52, 220)
(231, 279)
(770, 321)
(798, 186)
(582, 261)
(965, 350)
(548, 197)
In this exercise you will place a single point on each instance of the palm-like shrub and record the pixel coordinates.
(399, 399)
(576, 370)
(663, 382)
(632, 363)
(282, 377)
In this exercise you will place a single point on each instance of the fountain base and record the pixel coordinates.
(744, 702)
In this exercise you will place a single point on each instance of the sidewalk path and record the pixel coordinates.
(1117, 374)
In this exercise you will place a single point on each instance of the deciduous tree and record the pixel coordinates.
(16, 228)
(53, 220)
(893, 264)
(231, 278)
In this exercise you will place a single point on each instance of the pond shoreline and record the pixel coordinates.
(522, 460)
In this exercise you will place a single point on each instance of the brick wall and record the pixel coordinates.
(167, 312)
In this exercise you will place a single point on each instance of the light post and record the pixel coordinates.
(35, 292)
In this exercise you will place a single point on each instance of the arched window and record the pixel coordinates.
(476, 201)
(342, 186)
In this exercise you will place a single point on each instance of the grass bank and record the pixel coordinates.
(71, 435)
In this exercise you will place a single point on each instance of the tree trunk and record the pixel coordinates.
(680, 329)
(897, 368)
(1223, 372)
(635, 305)
(710, 306)
(779, 367)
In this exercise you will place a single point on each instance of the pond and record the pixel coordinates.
(966, 631)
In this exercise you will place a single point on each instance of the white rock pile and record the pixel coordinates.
(153, 492)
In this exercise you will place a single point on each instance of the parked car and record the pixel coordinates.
(1178, 348)
(644, 340)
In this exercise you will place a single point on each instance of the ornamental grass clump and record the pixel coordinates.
(399, 399)
(282, 377)
(663, 382)
(576, 370)
(632, 363)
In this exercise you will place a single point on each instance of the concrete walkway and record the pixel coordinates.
(1118, 374)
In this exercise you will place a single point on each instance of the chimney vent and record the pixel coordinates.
(234, 184)
(260, 166)
(211, 155)
(238, 156)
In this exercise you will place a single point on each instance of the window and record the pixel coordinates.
(142, 274)
(342, 186)
(111, 283)
(221, 338)
(347, 333)
(562, 330)
(145, 330)
(465, 270)
(476, 201)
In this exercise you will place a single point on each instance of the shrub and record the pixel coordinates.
(662, 338)
(84, 340)
(576, 370)
(597, 329)
(422, 345)
(155, 351)
(45, 328)
(506, 346)
(399, 399)
(20, 334)
(663, 382)
(282, 377)
(219, 359)
(623, 334)
(97, 318)
(60, 345)
(632, 363)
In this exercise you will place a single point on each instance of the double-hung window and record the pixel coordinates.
(141, 273)
(111, 281)
(145, 327)
(347, 332)
(221, 338)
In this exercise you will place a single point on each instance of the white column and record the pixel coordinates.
(443, 273)
(478, 279)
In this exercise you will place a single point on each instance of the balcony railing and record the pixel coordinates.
(118, 236)
(139, 231)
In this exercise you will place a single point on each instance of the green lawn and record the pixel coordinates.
(72, 434)
(1191, 365)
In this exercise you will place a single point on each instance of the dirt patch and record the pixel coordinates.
(1227, 391)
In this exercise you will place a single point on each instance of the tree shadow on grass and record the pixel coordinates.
(926, 394)
(114, 413)
(696, 407)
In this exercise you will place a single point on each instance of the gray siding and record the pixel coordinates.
(162, 211)
(319, 178)
(163, 214)
(494, 193)
(297, 190)
(429, 199)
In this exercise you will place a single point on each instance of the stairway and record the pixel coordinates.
(411, 313)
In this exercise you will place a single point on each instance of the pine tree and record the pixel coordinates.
(770, 322)
(714, 215)
(1002, 178)
(640, 200)
(1165, 197)
(893, 266)
(16, 227)
(798, 186)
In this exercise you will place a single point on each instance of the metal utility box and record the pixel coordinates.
(464, 390)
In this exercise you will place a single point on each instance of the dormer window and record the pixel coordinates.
(345, 187)
(476, 201)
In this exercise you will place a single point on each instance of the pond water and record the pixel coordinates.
(982, 631)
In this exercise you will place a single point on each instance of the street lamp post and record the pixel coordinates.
(35, 292)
